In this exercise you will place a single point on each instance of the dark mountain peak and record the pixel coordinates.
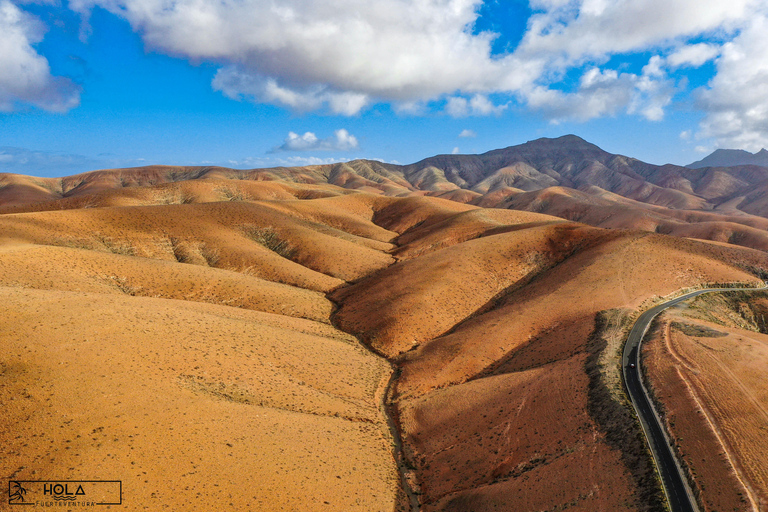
(732, 158)
(565, 146)
(566, 141)
(733, 152)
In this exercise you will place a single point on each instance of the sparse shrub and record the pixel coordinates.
(232, 194)
(123, 285)
(698, 330)
(115, 246)
(75, 243)
(611, 410)
(210, 254)
(270, 239)
(98, 242)
(176, 196)
(193, 252)
(179, 250)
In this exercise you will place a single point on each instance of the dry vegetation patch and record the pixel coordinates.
(609, 407)
(705, 363)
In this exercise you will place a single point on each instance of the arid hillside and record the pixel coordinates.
(187, 351)
(706, 365)
(493, 335)
(271, 345)
(566, 177)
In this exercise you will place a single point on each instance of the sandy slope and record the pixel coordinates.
(490, 335)
(69, 269)
(186, 349)
(709, 376)
(316, 255)
(183, 332)
(191, 404)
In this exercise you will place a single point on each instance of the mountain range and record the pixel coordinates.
(567, 177)
(567, 161)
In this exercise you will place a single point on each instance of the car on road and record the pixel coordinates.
(631, 365)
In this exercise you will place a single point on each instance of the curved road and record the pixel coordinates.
(675, 486)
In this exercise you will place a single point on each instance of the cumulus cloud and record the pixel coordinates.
(606, 93)
(467, 133)
(652, 91)
(341, 140)
(477, 105)
(581, 33)
(307, 53)
(236, 83)
(343, 56)
(25, 76)
(411, 108)
(455, 151)
(576, 30)
(693, 55)
(736, 99)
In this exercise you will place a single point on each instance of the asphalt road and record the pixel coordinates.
(675, 487)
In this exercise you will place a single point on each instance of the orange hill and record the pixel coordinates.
(192, 335)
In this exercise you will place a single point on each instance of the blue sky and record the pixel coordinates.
(90, 84)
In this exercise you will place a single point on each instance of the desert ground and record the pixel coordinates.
(265, 345)
(168, 347)
(706, 364)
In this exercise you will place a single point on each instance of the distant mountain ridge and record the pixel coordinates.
(567, 177)
(732, 158)
(537, 175)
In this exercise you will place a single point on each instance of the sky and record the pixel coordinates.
(92, 84)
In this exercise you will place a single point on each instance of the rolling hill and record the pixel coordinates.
(363, 336)
(565, 177)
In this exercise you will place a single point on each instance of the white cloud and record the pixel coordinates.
(341, 140)
(575, 30)
(693, 55)
(267, 162)
(477, 105)
(25, 76)
(685, 135)
(411, 108)
(457, 107)
(736, 99)
(467, 134)
(652, 91)
(481, 105)
(345, 141)
(235, 83)
(568, 34)
(344, 54)
(455, 150)
(296, 142)
(606, 93)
